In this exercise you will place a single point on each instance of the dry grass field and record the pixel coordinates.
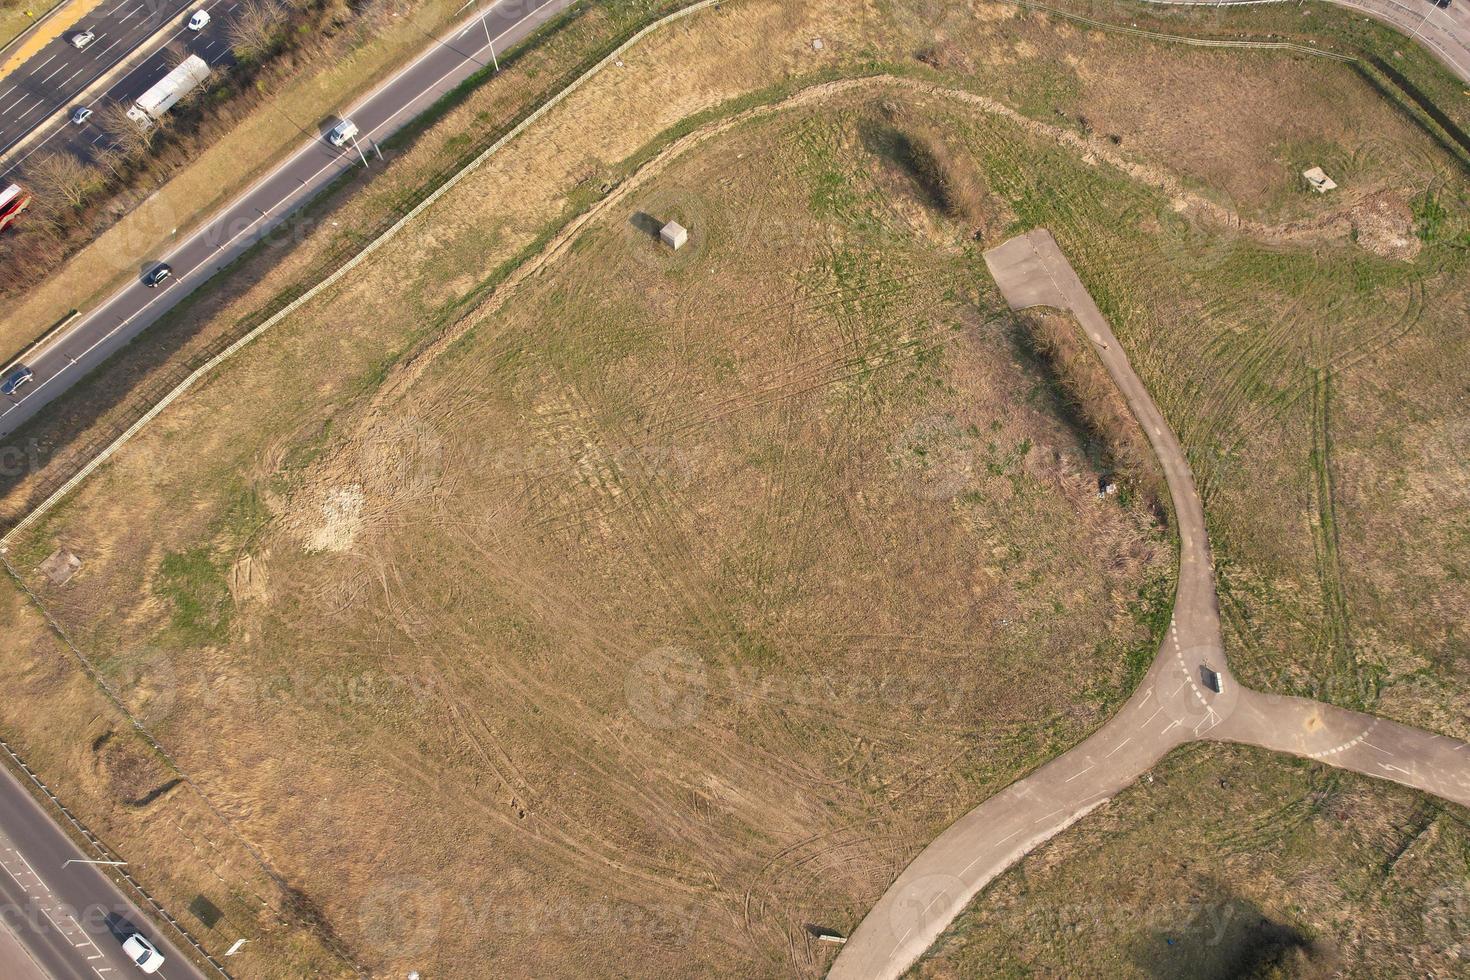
(541, 589)
(689, 589)
(1231, 863)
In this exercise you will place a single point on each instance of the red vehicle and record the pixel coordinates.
(13, 200)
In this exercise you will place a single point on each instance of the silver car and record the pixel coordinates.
(81, 39)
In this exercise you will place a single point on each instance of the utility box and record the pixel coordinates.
(1318, 180)
(674, 235)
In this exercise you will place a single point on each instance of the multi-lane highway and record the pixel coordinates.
(45, 89)
(457, 54)
(1444, 31)
(1188, 693)
(69, 917)
(49, 130)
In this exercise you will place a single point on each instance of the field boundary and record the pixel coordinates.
(47, 793)
(1364, 65)
(1390, 83)
(382, 239)
(328, 942)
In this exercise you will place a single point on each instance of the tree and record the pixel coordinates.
(126, 135)
(61, 177)
(255, 28)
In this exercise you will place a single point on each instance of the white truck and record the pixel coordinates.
(150, 107)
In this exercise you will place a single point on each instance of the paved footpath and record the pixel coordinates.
(1174, 704)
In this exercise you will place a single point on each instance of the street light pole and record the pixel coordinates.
(485, 23)
(85, 861)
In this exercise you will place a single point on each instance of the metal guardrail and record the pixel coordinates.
(71, 818)
(379, 240)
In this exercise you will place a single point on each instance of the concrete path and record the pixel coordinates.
(1176, 703)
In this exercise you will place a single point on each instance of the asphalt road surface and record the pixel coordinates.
(1175, 703)
(56, 74)
(85, 344)
(1445, 31)
(70, 918)
(54, 131)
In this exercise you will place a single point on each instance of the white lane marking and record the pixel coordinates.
(982, 857)
(1346, 745)
(1118, 746)
(1081, 772)
(243, 198)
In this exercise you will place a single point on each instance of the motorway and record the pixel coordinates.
(70, 918)
(52, 131)
(462, 51)
(1444, 31)
(67, 917)
(57, 74)
(1174, 704)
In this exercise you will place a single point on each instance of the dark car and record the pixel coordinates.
(1440, 3)
(15, 379)
(160, 272)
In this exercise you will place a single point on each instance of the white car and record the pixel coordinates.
(200, 18)
(81, 39)
(342, 132)
(81, 115)
(143, 953)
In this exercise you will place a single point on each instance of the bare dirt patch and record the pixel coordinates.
(722, 580)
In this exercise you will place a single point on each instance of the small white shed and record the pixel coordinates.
(674, 235)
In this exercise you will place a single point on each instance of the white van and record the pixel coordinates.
(199, 20)
(342, 132)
